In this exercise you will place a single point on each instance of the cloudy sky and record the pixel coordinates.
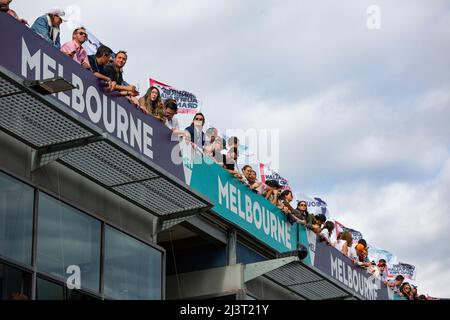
(362, 113)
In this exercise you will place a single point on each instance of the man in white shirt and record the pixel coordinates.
(170, 110)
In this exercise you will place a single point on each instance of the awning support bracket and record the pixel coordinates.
(43, 156)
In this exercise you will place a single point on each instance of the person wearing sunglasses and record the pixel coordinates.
(74, 48)
(195, 130)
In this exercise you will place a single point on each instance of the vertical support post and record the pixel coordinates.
(231, 247)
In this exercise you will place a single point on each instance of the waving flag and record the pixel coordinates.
(268, 174)
(405, 269)
(356, 235)
(92, 44)
(186, 101)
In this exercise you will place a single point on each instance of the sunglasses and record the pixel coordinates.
(200, 119)
(82, 33)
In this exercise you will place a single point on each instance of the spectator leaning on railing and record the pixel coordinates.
(233, 142)
(214, 145)
(4, 5)
(152, 104)
(360, 255)
(406, 291)
(254, 185)
(195, 130)
(13, 13)
(230, 162)
(284, 200)
(382, 270)
(98, 61)
(414, 293)
(271, 190)
(74, 48)
(344, 242)
(245, 172)
(396, 283)
(47, 26)
(316, 226)
(326, 232)
(114, 72)
(170, 111)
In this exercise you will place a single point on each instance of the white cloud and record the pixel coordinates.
(408, 219)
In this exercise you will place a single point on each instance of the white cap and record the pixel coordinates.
(57, 12)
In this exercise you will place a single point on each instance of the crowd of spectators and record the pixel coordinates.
(108, 68)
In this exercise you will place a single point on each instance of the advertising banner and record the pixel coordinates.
(375, 254)
(27, 55)
(315, 205)
(187, 102)
(356, 235)
(235, 202)
(404, 269)
(339, 267)
(268, 174)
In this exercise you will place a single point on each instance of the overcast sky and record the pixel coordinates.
(363, 114)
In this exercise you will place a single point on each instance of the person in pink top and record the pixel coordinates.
(74, 48)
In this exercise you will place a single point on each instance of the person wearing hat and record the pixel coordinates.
(362, 258)
(47, 26)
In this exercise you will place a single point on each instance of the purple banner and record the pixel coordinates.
(339, 267)
(24, 53)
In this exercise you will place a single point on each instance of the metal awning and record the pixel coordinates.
(58, 134)
(304, 280)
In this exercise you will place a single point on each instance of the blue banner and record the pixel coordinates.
(235, 202)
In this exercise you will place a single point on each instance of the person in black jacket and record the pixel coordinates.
(195, 130)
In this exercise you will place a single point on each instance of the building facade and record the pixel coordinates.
(97, 202)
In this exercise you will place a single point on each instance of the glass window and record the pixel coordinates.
(16, 219)
(14, 284)
(133, 270)
(47, 290)
(68, 238)
(78, 295)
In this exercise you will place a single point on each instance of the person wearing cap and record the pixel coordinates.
(361, 255)
(74, 48)
(47, 26)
